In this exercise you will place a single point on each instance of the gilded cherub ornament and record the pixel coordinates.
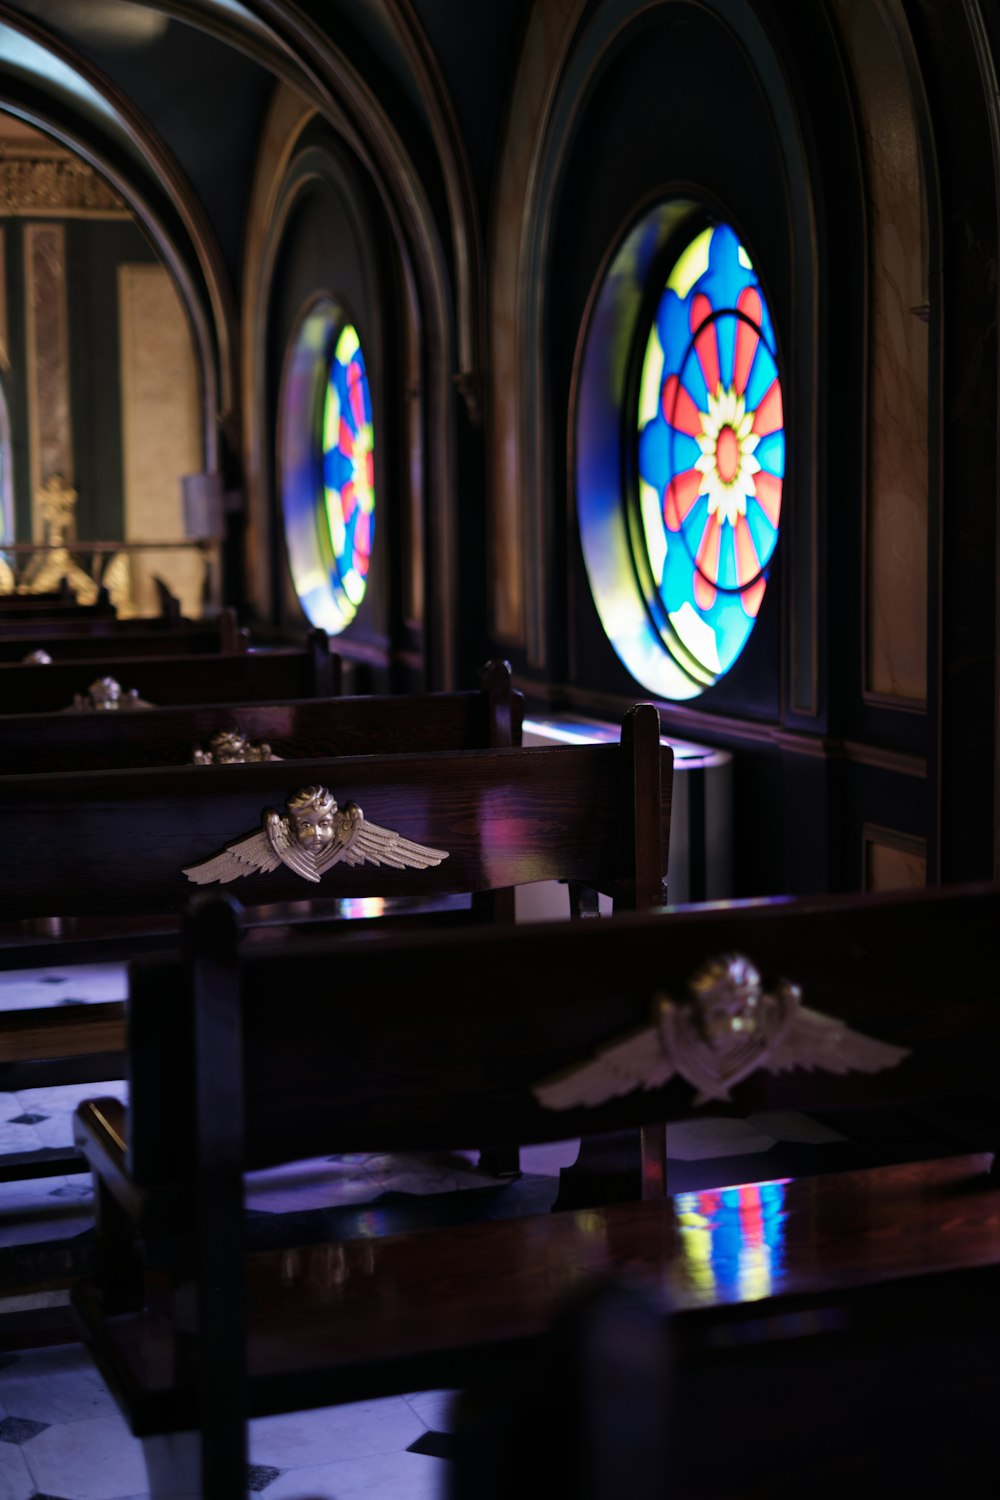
(312, 837)
(228, 747)
(728, 1027)
(106, 695)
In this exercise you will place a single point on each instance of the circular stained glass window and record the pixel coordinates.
(679, 472)
(711, 454)
(327, 467)
(348, 478)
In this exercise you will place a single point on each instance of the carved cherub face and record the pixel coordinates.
(229, 747)
(313, 818)
(105, 693)
(727, 993)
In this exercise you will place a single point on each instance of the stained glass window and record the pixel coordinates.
(348, 478)
(327, 467)
(711, 457)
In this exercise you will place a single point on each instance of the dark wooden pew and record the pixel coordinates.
(254, 676)
(113, 845)
(295, 730)
(224, 638)
(42, 630)
(433, 1042)
(68, 648)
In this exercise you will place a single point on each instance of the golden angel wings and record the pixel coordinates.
(728, 1028)
(312, 837)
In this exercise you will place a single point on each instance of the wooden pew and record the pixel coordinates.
(297, 729)
(254, 676)
(97, 850)
(224, 638)
(433, 1042)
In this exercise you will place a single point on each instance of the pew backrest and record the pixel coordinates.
(118, 842)
(421, 1040)
(71, 639)
(253, 676)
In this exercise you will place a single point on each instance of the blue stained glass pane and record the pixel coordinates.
(770, 453)
(727, 560)
(684, 452)
(763, 533)
(762, 373)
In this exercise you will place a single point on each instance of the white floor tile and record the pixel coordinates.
(548, 1160)
(789, 1125)
(433, 1408)
(92, 1460)
(55, 1385)
(31, 989)
(396, 1476)
(16, 1482)
(698, 1140)
(308, 1438)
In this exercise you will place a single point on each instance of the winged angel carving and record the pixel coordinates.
(314, 836)
(728, 1028)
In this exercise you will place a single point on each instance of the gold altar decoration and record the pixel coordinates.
(728, 1027)
(54, 562)
(310, 839)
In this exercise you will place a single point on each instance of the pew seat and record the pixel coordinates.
(434, 1308)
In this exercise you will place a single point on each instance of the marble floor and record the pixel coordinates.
(61, 1434)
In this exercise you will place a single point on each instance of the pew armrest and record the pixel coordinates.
(99, 1133)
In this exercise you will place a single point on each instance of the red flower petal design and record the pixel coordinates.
(678, 408)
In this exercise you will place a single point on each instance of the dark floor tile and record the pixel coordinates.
(434, 1445)
(259, 1476)
(20, 1429)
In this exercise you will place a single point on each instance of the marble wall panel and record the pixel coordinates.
(50, 435)
(161, 431)
(895, 582)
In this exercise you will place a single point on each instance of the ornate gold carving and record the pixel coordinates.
(310, 839)
(35, 182)
(728, 1027)
(56, 502)
(228, 747)
(107, 696)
